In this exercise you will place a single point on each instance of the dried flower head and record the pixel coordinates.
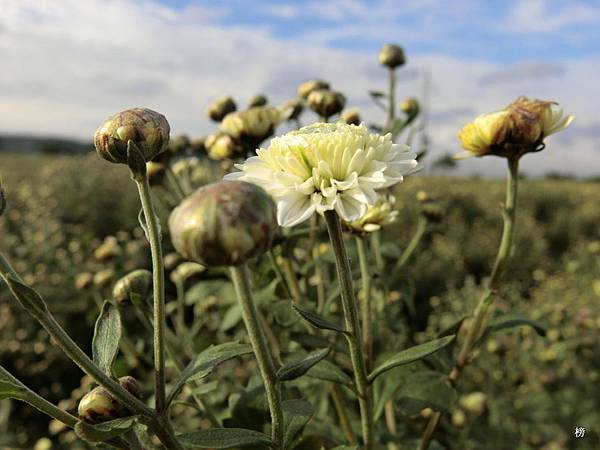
(326, 103)
(392, 56)
(218, 109)
(307, 87)
(324, 166)
(224, 224)
(148, 129)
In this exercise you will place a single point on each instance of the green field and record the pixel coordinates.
(537, 389)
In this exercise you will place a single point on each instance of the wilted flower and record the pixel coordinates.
(222, 146)
(392, 56)
(148, 129)
(351, 116)
(324, 166)
(378, 215)
(307, 87)
(137, 282)
(326, 103)
(257, 100)
(253, 125)
(518, 129)
(218, 109)
(99, 405)
(224, 224)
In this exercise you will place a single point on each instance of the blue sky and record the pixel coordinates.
(74, 62)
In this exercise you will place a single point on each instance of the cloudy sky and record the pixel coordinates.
(66, 64)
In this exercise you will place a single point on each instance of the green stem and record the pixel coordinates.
(414, 242)
(175, 184)
(158, 276)
(366, 301)
(280, 276)
(314, 244)
(263, 355)
(508, 215)
(340, 408)
(354, 338)
(391, 114)
(292, 281)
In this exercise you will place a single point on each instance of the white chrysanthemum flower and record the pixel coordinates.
(378, 215)
(324, 167)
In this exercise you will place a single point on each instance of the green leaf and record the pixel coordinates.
(395, 127)
(411, 354)
(206, 361)
(218, 438)
(376, 94)
(316, 320)
(232, 317)
(107, 335)
(346, 447)
(29, 299)
(8, 389)
(104, 431)
(298, 367)
(510, 320)
(296, 414)
(328, 371)
(453, 328)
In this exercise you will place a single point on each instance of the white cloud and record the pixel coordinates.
(72, 63)
(545, 16)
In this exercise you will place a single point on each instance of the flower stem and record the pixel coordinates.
(391, 114)
(508, 215)
(412, 245)
(366, 303)
(340, 408)
(349, 306)
(261, 351)
(279, 275)
(314, 244)
(158, 276)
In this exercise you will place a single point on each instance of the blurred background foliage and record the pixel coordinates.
(71, 231)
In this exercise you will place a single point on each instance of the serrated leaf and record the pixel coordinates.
(298, 367)
(296, 414)
(29, 299)
(510, 320)
(104, 431)
(316, 320)
(107, 335)
(411, 355)
(207, 361)
(219, 438)
(328, 371)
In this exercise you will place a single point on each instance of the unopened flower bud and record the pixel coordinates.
(138, 282)
(185, 270)
(257, 100)
(198, 146)
(147, 129)
(351, 116)
(224, 224)
(83, 280)
(253, 125)
(155, 172)
(108, 249)
(292, 108)
(218, 109)
(103, 277)
(410, 107)
(326, 103)
(307, 87)
(180, 144)
(392, 56)
(222, 146)
(474, 403)
(380, 214)
(99, 405)
(458, 418)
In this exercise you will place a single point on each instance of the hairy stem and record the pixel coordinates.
(391, 114)
(263, 355)
(508, 214)
(158, 276)
(354, 337)
(366, 301)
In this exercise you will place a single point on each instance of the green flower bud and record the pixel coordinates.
(326, 103)
(138, 282)
(257, 100)
(83, 280)
(185, 270)
(307, 87)
(218, 109)
(103, 277)
(392, 56)
(108, 249)
(224, 224)
(474, 403)
(410, 107)
(253, 125)
(148, 129)
(99, 405)
(351, 116)
(293, 108)
(222, 146)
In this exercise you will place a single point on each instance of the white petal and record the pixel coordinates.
(293, 209)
